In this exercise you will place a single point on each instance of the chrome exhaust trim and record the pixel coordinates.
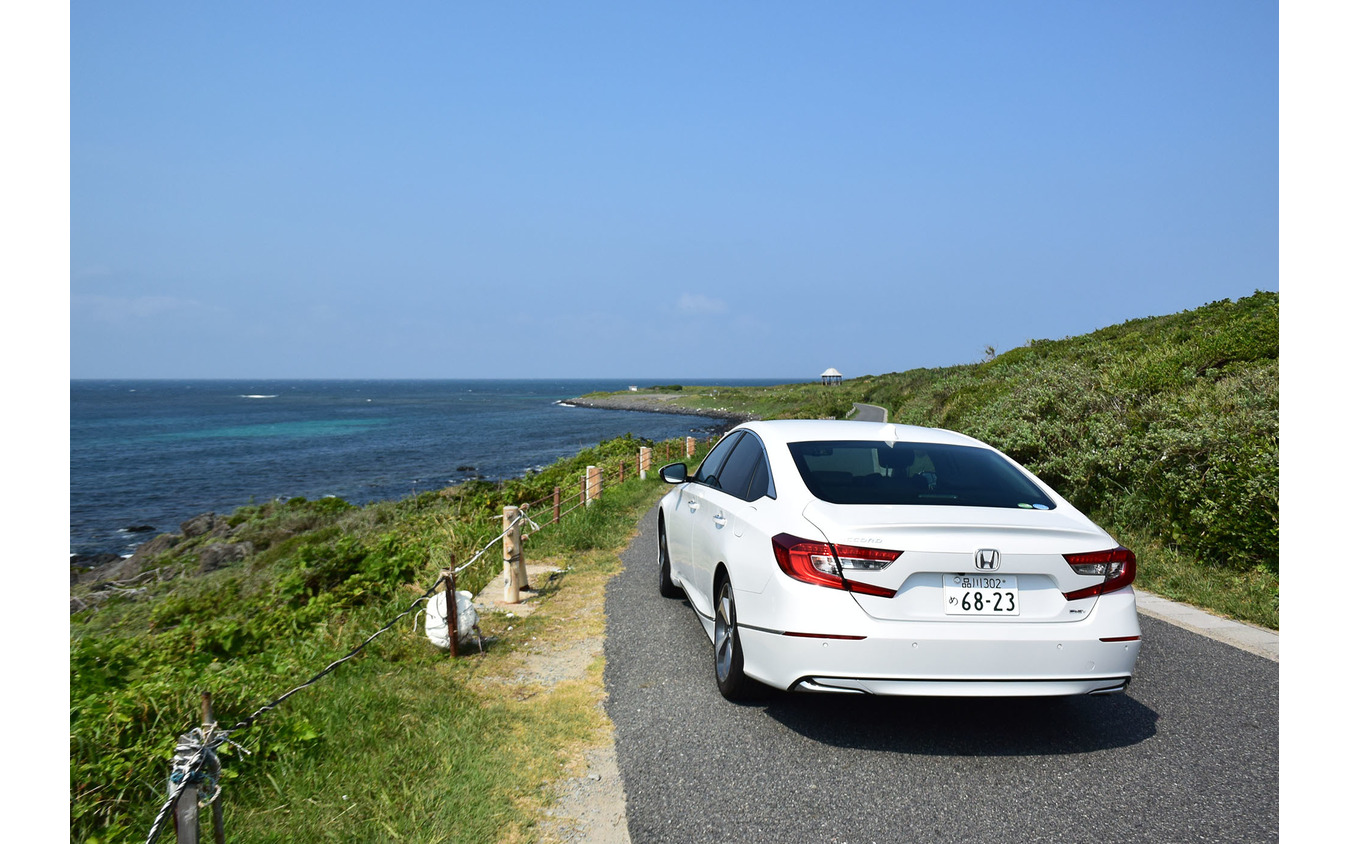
(810, 684)
(1111, 690)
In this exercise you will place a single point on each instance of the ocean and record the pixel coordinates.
(148, 455)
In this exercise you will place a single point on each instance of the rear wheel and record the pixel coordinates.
(728, 663)
(667, 586)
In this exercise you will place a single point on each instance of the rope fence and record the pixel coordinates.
(194, 778)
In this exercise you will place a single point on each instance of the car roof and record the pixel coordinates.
(811, 430)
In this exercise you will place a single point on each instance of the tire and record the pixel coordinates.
(728, 663)
(667, 586)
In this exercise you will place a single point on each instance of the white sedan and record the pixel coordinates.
(875, 558)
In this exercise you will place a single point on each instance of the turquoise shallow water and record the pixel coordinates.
(279, 430)
(155, 453)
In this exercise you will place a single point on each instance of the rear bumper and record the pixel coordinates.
(962, 688)
(947, 659)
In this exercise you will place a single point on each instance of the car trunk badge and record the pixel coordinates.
(987, 559)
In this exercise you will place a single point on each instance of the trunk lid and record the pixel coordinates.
(947, 571)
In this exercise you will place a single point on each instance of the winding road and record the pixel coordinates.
(1189, 753)
(868, 413)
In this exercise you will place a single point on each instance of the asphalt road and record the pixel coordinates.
(869, 413)
(1189, 753)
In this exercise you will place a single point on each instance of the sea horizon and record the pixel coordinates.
(647, 382)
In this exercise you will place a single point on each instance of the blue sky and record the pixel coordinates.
(343, 190)
(632, 189)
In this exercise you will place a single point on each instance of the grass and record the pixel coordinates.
(401, 743)
(414, 746)
(417, 747)
(1251, 595)
(409, 752)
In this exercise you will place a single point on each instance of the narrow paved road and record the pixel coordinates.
(1189, 754)
(869, 413)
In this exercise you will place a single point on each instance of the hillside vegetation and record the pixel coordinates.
(1164, 429)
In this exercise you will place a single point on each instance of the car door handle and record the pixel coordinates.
(720, 520)
(693, 505)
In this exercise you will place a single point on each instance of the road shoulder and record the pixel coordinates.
(1247, 637)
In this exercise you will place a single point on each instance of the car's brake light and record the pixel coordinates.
(1116, 565)
(822, 564)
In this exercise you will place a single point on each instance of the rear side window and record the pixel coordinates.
(859, 472)
(761, 484)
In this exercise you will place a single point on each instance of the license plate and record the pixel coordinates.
(980, 594)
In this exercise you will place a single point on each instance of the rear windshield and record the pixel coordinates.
(857, 472)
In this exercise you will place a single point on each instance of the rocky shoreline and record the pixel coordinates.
(659, 403)
(108, 574)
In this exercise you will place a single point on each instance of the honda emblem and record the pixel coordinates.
(986, 559)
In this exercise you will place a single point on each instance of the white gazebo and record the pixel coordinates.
(831, 376)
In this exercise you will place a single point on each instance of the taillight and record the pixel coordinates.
(822, 564)
(1116, 565)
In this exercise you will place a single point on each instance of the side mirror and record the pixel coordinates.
(675, 473)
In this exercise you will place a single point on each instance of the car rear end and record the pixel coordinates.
(942, 596)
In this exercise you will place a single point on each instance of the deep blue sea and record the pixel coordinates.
(156, 453)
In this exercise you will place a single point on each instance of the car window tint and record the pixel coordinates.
(760, 483)
(708, 469)
(739, 468)
(914, 473)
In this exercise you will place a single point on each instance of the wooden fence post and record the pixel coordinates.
(688, 446)
(620, 471)
(593, 481)
(644, 461)
(217, 810)
(185, 816)
(557, 504)
(186, 813)
(513, 556)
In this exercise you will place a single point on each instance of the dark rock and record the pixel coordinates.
(222, 554)
(198, 525)
(157, 546)
(127, 568)
(138, 529)
(110, 570)
(82, 564)
(466, 468)
(92, 561)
